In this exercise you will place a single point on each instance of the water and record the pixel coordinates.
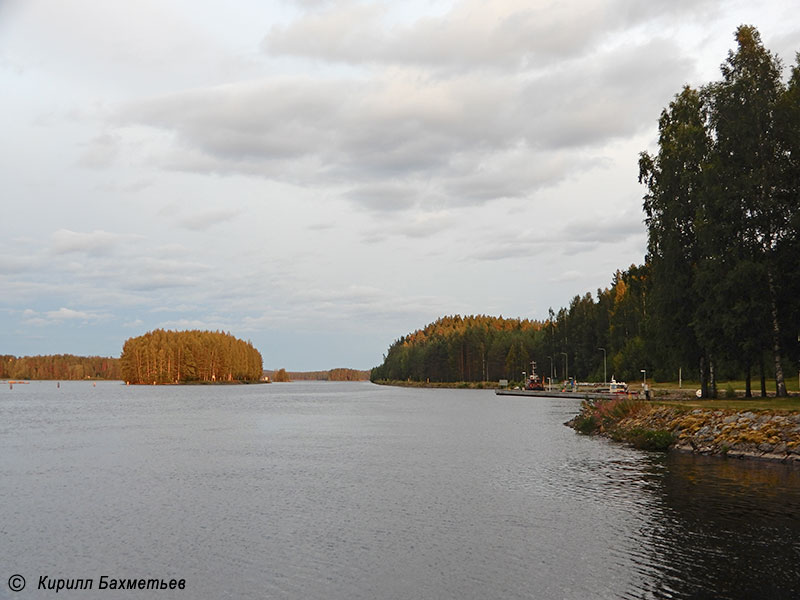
(350, 491)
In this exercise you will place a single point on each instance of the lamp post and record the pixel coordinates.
(605, 378)
(551, 372)
(566, 366)
(644, 384)
(524, 379)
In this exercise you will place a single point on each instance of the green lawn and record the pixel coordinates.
(687, 397)
(740, 404)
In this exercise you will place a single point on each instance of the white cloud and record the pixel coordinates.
(61, 315)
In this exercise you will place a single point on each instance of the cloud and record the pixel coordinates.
(10, 264)
(587, 232)
(567, 276)
(399, 136)
(95, 242)
(100, 152)
(62, 315)
(203, 220)
(210, 324)
(398, 141)
(473, 34)
(384, 196)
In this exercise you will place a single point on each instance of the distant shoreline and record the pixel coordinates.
(462, 385)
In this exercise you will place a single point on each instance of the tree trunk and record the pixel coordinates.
(763, 379)
(713, 378)
(780, 383)
(748, 390)
(703, 378)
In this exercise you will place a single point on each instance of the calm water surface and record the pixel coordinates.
(350, 491)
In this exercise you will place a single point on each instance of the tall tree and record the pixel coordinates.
(752, 165)
(675, 179)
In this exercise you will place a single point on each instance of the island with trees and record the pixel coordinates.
(162, 357)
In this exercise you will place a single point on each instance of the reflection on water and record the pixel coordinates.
(348, 491)
(725, 529)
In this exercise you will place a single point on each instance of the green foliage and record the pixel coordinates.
(649, 439)
(723, 192)
(586, 424)
(482, 348)
(186, 356)
(464, 349)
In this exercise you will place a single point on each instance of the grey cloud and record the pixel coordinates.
(612, 95)
(384, 197)
(462, 139)
(100, 152)
(270, 119)
(508, 33)
(204, 220)
(445, 142)
(95, 242)
(612, 227)
(585, 233)
(16, 264)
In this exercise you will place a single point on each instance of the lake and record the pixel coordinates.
(356, 491)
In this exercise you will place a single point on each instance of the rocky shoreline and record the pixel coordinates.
(758, 434)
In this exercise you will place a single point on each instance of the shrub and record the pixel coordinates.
(586, 424)
(612, 411)
(650, 439)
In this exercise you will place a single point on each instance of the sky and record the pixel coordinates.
(323, 177)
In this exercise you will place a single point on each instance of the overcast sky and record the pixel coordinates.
(323, 177)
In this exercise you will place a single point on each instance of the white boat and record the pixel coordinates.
(618, 387)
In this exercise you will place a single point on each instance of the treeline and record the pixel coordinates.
(189, 356)
(456, 348)
(567, 344)
(330, 375)
(59, 366)
(718, 295)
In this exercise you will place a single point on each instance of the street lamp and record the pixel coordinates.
(605, 379)
(551, 372)
(644, 384)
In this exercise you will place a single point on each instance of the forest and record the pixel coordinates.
(59, 366)
(161, 356)
(718, 294)
(339, 374)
